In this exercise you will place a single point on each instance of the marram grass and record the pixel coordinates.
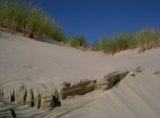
(144, 40)
(23, 16)
(76, 42)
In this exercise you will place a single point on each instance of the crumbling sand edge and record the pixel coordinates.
(43, 99)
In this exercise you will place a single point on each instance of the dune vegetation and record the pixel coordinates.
(77, 42)
(23, 16)
(144, 40)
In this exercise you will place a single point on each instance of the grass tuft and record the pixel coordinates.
(23, 16)
(144, 40)
(77, 42)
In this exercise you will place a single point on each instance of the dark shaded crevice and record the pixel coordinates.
(39, 102)
(111, 80)
(12, 97)
(25, 96)
(32, 98)
(114, 82)
(56, 102)
(156, 72)
(80, 88)
(13, 113)
(1, 92)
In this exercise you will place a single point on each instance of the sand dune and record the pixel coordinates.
(134, 97)
(42, 66)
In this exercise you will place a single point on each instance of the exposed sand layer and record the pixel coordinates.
(42, 67)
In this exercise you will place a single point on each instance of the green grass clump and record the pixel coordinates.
(23, 16)
(144, 39)
(76, 42)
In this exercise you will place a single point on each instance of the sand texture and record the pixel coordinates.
(32, 69)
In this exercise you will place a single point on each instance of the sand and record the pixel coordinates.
(25, 60)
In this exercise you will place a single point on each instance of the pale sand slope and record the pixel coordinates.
(26, 60)
(21, 58)
(135, 97)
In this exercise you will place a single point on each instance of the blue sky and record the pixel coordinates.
(95, 19)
